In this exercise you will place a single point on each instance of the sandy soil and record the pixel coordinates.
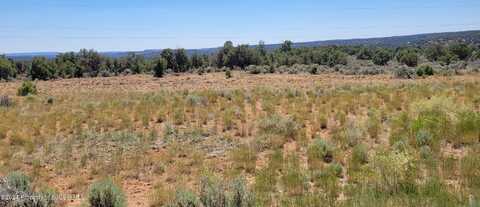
(215, 81)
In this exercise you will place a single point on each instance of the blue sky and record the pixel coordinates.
(112, 25)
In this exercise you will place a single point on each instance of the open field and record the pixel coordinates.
(254, 140)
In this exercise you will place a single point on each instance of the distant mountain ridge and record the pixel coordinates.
(394, 41)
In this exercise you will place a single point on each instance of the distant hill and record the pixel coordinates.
(395, 41)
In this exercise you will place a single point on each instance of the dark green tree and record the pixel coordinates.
(336, 57)
(160, 67)
(434, 52)
(261, 48)
(66, 69)
(22, 67)
(365, 53)
(461, 50)
(244, 56)
(286, 46)
(136, 63)
(225, 54)
(7, 69)
(89, 62)
(198, 61)
(408, 57)
(168, 55)
(41, 69)
(381, 57)
(182, 60)
(447, 58)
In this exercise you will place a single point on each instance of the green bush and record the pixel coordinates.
(447, 59)
(106, 194)
(423, 138)
(320, 150)
(381, 57)
(283, 126)
(240, 195)
(18, 184)
(41, 69)
(27, 88)
(335, 169)
(365, 53)
(228, 74)
(403, 73)
(212, 192)
(256, 69)
(19, 181)
(184, 198)
(408, 57)
(360, 155)
(393, 170)
(336, 57)
(461, 50)
(425, 70)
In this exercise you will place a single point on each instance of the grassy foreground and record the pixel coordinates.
(397, 143)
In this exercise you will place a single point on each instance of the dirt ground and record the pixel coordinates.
(213, 81)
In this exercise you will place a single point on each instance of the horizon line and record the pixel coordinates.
(215, 47)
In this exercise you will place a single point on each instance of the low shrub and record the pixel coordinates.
(352, 134)
(185, 198)
(216, 193)
(359, 155)
(320, 150)
(408, 57)
(403, 73)
(424, 70)
(212, 192)
(228, 74)
(19, 181)
(17, 185)
(258, 69)
(335, 169)
(106, 194)
(27, 88)
(240, 195)
(283, 126)
(393, 170)
(423, 138)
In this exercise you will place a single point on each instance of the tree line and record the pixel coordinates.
(90, 63)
